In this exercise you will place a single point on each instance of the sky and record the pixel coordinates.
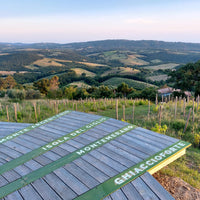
(65, 21)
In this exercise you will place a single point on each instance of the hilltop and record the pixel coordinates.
(147, 61)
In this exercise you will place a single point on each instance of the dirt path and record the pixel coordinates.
(178, 188)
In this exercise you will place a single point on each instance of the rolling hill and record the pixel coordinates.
(137, 59)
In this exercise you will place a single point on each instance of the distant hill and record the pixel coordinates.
(107, 45)
(98, 60)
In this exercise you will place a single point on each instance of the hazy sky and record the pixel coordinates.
(66, 21)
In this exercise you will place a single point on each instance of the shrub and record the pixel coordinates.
(160, 129)
(33, 94)
(196, 139)
(2, 93)
(178, 125)
(16, 94)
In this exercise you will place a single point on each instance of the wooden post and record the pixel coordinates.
(188, 99)
(184, 104)
(116, 108)
(76, 107)
(156, 99)
(175, 108)
(197, 103)
(35, 109)
(148, 110)
(193, 110)
(162, 98)
(160, 115)
(124, 115)
(7, 113)
(15, 108)
(186, 124)
(133, 111)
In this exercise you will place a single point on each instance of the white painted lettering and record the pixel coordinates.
(118, 181)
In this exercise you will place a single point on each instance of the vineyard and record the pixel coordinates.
(177, 118)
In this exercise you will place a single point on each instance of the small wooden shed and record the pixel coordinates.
(76, 155)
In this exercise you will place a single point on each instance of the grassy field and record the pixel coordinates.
(163, 66)
(80, 84)
(126, 57)
(79, 72)
(121, 71)
(45, 62)
(163, 77)
(146, 115)
(114, 82)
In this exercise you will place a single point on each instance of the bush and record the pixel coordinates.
(2, 93)
(196, 139)
(178, 125)
(33, 94)
(16, 94)
(160, 129)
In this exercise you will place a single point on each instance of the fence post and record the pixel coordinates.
(7, 113)
(124, 115)
(186, 124)
(116, 108)
(133, 111)
(15, 108)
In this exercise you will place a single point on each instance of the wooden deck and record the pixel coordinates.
(83, 156)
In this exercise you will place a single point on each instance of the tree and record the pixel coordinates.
(124, 89)
(54, 83)
(187, 77)
(2, 83)
(9, 82)
(42, 85)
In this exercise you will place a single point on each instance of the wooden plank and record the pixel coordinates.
(18, 147)
(144, 191)
(7, 151)
(94, 172)
(117, 157)
(129, 156)
(107, 160)
(82, 175)
(100, 165)
(156, 187)
(138, 146)
(129, 149)
(71, 181)
(14, 196)
(152, 137)
(157, 134)
(118, 195)
(148, 146)
(148, 140)
(29, 193)
(59, 187)
(131, 193)
(45, 191)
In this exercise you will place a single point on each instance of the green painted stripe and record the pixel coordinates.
(41, 150)
(120, 180)
(25, 130)
(39, 173)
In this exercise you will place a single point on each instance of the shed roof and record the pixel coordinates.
(83, 156)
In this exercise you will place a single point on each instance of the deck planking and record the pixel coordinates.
(88, 171)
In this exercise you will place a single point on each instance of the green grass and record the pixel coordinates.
(139, 85)
(187, 168)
